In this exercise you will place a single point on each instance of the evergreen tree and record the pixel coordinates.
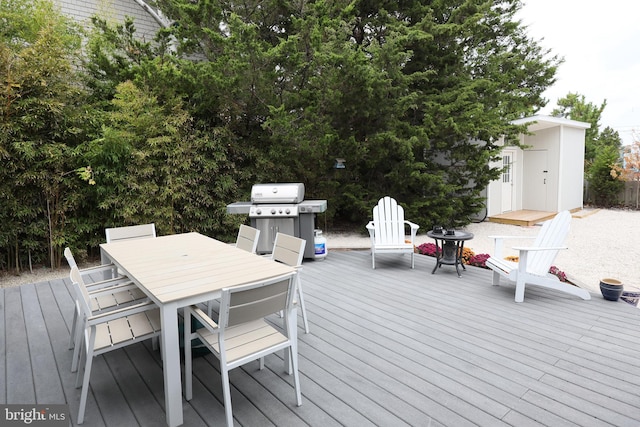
(413, 95)
(575, 107)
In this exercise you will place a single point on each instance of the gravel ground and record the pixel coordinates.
(602, 243)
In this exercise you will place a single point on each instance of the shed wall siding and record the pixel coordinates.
(572, 178)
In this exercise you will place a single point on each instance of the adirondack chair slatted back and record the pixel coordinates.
(388, 218)
(247, 239)
(143, 231)
(553, 234)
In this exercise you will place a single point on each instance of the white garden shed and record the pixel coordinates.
(548, 174)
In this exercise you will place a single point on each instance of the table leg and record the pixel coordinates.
(461, 253)
(171, 364)
(438, 256)
(292, 323)
(456, 259)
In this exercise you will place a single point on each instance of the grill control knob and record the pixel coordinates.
(258, 211)
(273, 211)
(288, 211)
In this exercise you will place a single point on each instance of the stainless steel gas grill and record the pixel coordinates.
(281, 208)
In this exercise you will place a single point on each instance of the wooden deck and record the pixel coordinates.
(522, 217)
(388, 347)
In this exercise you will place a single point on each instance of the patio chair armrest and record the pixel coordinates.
(207, 321)
(109, 283)
(95, 293)
(122, 312)
(97, 269)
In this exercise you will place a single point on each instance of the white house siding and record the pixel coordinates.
(113, 11)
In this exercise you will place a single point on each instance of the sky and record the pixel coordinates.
(600, 43)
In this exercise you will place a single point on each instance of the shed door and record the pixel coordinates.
(536, 180)
(507, 181)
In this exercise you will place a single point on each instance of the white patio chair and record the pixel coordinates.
(242, 335)
(247, 239)
(129, 232)
(387, 230)
(143, 231)
(104, 295)
(534, 261)
(289, 250)
(108, 331)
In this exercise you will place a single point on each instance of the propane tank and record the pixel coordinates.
(320, 245)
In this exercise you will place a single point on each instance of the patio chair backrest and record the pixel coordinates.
(143, 231)
(69, 257)
(288, 249)
(243, 304)
(247, 239)
(82, 293)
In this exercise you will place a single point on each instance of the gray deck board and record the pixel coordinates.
(388, 347)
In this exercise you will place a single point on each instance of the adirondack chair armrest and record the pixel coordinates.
(524, 251)
(372, 232)
(207, 321)
(511, 237)
(498, 243)
(122, 312)
(539, 248)
(414, 229)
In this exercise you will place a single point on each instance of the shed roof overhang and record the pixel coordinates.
(540, 122)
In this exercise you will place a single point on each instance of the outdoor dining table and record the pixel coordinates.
(179, 270)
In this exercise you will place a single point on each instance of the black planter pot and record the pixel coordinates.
(611, 289)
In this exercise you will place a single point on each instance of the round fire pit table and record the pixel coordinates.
(449, 248)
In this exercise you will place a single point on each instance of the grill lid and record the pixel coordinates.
(277, 193)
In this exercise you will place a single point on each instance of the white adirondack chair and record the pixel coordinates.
(387, 230)
(534, 261)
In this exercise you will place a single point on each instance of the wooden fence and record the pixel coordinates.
(628, 196)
